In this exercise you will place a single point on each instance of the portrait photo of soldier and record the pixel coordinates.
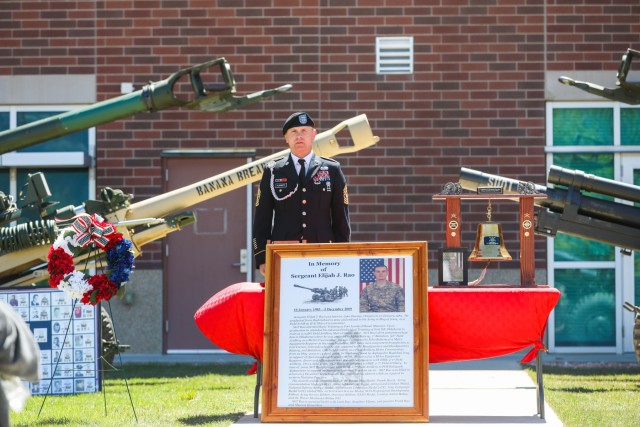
(382, 295)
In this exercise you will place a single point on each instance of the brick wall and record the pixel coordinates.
(475, 99)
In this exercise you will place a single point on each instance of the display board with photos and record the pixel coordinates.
(67, 335)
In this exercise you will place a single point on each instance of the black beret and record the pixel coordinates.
(296, 120)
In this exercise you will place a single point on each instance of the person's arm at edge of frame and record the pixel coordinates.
(19, 358)
(364, 301)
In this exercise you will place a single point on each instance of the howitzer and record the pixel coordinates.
(215, 97)
(636, 327)
(569, 211)
(25, 262)
(314, 290)
(627, 92)
(325, 295)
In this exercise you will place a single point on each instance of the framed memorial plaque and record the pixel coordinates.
(346, 333)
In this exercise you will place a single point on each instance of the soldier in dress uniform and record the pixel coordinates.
(297, 201)
(382, 295)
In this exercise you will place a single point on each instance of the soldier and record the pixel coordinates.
(302, 197)
(382, 295)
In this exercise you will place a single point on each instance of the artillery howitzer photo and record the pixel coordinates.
(326, 295)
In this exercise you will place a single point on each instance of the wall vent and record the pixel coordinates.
(394, 55)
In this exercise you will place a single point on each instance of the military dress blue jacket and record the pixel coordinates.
(317, 212)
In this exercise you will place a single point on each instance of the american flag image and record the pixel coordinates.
(394, 265)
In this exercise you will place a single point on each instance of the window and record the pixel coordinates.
(394, 55)
(65, 161)
(629, 126)
(591, 137)
(73, 150)
(4, 120)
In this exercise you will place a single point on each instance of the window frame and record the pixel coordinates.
(64, 159)
(618, 152)
(13, 161)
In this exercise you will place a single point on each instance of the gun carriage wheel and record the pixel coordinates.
(110, 346)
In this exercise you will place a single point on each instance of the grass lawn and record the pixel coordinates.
(162, 395)
(593, 396)
(219, 394)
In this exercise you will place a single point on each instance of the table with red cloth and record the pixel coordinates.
(465, 323)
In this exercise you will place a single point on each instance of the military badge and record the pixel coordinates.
(321, 176)
(303, 119)
(280, 183)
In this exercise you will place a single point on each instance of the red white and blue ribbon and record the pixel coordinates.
(92, 229)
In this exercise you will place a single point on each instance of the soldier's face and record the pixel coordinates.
(380, 273)
(300, 140)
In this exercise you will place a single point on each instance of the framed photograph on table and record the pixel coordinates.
(453, 267)
(346, 333)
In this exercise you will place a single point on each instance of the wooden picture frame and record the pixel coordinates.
(453, 267)
(327, 356)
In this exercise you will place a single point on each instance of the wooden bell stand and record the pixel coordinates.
(527, 258)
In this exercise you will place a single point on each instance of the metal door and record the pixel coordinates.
(203, 258)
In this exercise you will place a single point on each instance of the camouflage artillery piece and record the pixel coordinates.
(636, 328)
(326, 295)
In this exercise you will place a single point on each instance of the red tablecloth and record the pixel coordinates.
(464, 323)
(482, 322)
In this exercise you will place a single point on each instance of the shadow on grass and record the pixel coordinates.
(196, 420)
(46, 422)
(590, 371)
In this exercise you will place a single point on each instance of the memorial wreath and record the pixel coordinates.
(87, 229)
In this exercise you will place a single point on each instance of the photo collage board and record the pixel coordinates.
(67, 365)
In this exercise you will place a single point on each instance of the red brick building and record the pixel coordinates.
(476, 90)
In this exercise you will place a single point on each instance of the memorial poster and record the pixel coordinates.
(346, 332)
(68, 338)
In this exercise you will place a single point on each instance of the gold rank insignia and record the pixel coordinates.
(345, 194)
(258, 198)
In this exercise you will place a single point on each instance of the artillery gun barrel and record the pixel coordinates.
(152, 97)
(163, 205)
(325, 144)
(627, 92)
(303, 287)
(632, 308)
(594, 184)
(557, 198)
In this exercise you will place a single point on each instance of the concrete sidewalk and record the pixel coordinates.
(482, 392)
(485, 392)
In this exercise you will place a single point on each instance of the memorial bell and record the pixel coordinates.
(489, 242)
